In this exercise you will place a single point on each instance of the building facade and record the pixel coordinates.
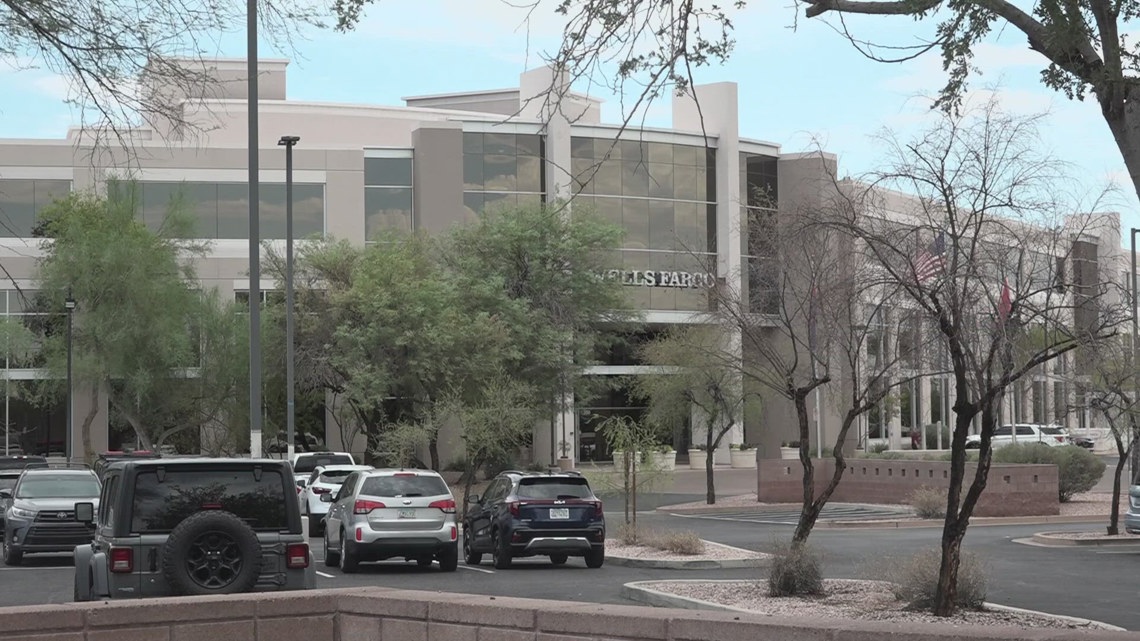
(682, 195)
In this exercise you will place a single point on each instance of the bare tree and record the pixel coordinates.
(113, 52)
(1111, 389)
(978, 249)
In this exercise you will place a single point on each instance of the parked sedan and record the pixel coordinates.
(387, 514)
(1052, 435)
(326, 479)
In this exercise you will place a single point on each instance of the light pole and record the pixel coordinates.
(288, 142)
(1134, 462)
(254, 235)
(69, 303)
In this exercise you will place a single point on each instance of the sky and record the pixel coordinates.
(799, 80)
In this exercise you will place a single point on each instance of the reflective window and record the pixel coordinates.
(308, 462)
(392, 172)
(58, 486)
(221, 210)
(159, 506)
(388, 195)
(21, 202)
(398, 485)
(502, 170)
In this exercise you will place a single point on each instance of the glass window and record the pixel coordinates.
(661, 180)
(308, 210)
(528, 144)
(582, 148)
(606, 149)
(583, 170)
(495, 202)
(21, 202)
(499, 172)
(398, 485)
(607, 180)
(159, 506)
(472, 143)
(58, 486)
(635, 222)
(633, 150)
(685, 182)
(333, 477)
(529, 176)
(221, 210)
(553, 488)
(499, 144)
(308, 462)
(394, 172)
(686, 155)
(8, 481)
(660, 152)
(473, 171)
(634, 178)
(1004, 430)
(473, 202)
(661, 232)
(387, 208)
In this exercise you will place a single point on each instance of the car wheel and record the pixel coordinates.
(558, 559)
(500, 553)
(449, 558)
(595, 557)
(348, 562)
(470, 556)
(332, 559)
(211, 552)
(11, 556)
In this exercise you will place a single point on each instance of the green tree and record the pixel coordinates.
(1113, 392)
(537, 270)
(700, 374)
(135, 306)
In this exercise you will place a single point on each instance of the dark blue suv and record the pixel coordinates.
(535, 514)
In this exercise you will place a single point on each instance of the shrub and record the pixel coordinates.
(916, 580)
(629, 535)
(795, 571)
(1078, 469)
(879, 448)
(928, 503)
(683, 543)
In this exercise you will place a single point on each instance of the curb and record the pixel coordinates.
(702, 564)
(638, 592)
(1048, 539)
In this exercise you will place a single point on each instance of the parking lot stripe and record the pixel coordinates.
(473, 569)
(327, 576)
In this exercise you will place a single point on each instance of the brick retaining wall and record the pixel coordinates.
(382, 614)
(1012, 490)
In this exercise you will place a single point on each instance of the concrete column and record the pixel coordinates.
(437, 177)
(924, 414)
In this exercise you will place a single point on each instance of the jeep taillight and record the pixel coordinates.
(447, 505)
(513, 506)
(122, 560)
(297, 555)
(364, 507)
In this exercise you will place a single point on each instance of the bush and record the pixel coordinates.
(916, 581)
(683, 543)
(627, 534)
(930, 436)
(928, 503)
(1078, 469)
(796, 571)
(879, 448)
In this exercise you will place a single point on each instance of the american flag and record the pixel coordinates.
(932, 260)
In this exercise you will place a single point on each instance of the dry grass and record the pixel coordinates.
(679, 543)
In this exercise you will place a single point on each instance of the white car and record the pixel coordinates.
(326, 479)
(305, 462)
(1051, 435)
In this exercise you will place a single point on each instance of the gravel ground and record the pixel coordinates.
(712, 552)
(1084, 536)
(846, 599)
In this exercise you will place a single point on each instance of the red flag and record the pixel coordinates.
(1005, 305)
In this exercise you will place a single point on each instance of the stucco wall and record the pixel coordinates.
(1011, 490)
(375, 614)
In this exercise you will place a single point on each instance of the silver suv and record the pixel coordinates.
(384, 514)
(41, 511)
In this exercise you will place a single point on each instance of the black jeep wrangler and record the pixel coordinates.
(193, 526)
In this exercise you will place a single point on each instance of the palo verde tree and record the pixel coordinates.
(134, 304)
(695, 373)
(976, 253)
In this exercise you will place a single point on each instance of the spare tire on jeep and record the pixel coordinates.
(211, 552)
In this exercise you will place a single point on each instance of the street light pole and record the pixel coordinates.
(288, 142)
(254, 235)
(69, 303)
(1134, 461)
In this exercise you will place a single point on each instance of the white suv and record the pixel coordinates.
(305, 462)
(1052, 435)
(326, 479)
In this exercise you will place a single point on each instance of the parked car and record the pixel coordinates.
(106, 458)
(525, 514)
(41, 511)
(305, 462)
(1052, 435)
(21, 461)
(193, 526)
(8, 480)
(326, 479)
(385, 514)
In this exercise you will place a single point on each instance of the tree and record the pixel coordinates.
(696, 374)
(632, 438)
(536, 270)
(106, 49)
(1113, 392)
(134, 302)
(977, 255)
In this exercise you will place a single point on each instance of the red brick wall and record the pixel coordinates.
(1011, 490)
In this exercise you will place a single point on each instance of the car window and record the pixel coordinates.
(1004, 430)
(553, 488)
(347, 487)
(58, 486)
(106, 502)
(306, 463)
(1024, 430)
(160, 505)
(1053, 431)
(498, 490)
(335, 477)
(8, 481)
(414, 485)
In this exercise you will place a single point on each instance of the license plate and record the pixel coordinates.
(406, 514)
(560, 513)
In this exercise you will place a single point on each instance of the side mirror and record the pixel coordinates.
(5, 494)
(326, 498)
(474, 498)
(85, 512)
